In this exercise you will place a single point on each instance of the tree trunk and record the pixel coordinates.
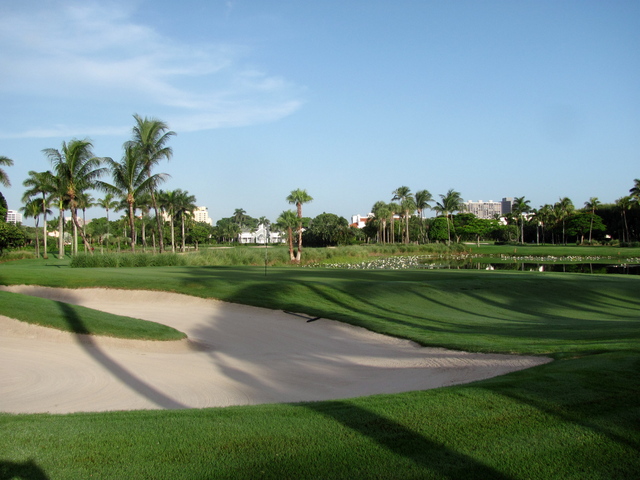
(132, 227)
(44, 228)
(76, 224)
(61, 234)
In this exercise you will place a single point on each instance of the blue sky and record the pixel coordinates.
(346, 99)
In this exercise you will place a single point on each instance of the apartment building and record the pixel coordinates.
(13, 216)
(201, 214)
(490, 209)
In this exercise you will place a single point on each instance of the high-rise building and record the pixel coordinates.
(490, 209)
(13, 216)
(201, 214)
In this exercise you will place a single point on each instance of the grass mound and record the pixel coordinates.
(82, 320)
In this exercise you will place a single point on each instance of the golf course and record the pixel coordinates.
(574, 415)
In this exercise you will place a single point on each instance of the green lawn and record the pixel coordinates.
(576, 417)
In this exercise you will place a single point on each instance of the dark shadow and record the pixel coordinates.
(28, 470)
(402, 441)
(126, 377)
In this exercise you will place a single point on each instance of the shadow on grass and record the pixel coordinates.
(118, 371)
(27, 470)
(402, 441)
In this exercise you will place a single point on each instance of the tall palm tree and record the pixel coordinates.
(407, 203)
(185, 205)
(544, 217)
(563, 209)
(635, 191)
(39, 184)
(167, 200)
(4, 178)
(287, 221)
(108, 203)
(130, 180)
(382, 213)
(150, 138)
(423, 201)
(519, 207)
(591, 205)
(239, 216)
(298, 197)
(78, 169)
(449, 203)
(624, 204)
(33, 209)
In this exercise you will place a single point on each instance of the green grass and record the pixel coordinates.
(82, 320)
(575, 418)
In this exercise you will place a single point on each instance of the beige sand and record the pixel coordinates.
(235, 355)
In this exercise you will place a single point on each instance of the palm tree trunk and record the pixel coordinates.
(132, 227)
(290, 240)
(37, 239)
(182, 225)
(44, 228)
(158, 222)
(76, 224)
(61, 233)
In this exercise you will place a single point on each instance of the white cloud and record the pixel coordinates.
(94, 53)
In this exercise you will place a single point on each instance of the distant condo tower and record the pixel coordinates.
(490, 209)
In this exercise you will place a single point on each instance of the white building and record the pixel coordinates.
(490, 209)
(201, 214)
(260, 234)
(360, 221)
(13, 216)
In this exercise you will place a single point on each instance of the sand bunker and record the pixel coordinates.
(235, 355)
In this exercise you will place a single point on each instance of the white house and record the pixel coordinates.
(260, 234)
(13, 216)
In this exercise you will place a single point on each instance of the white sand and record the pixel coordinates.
(235, 355)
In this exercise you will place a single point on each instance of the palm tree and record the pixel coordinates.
(624, 204)
(239, 216)
(287, 221)
(4, 178)
(563, 209)
(168, 203)
(78, 169)
(150, 138)
(39, 183)
(381, 212)
(407, 203)
(32, 209)
(423, 200)
(450, 202)
(108, 203)
(544, 216)
(519, 207)
(185, 205)
(592, 204)
(130, 180)
(297, 198)
(85, 200)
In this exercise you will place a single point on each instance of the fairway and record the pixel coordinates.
(235, 355)
(572, 418)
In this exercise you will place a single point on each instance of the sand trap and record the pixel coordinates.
(236, 355)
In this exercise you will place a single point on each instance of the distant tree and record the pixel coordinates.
(150, 139)
(33, 209)
(130, 180)
(591, 205)
(298, 197)
(11, 236)
(185, 205)
(200, 233)
(327, 229)
(4, 209)
(519, 208)
(39, 185)
(287, 221)
(635, 191)
(381, 215)
(407, 204)
(563, 209)
(579, 224)
(450, 203)
(625, 204)
(78, 169)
